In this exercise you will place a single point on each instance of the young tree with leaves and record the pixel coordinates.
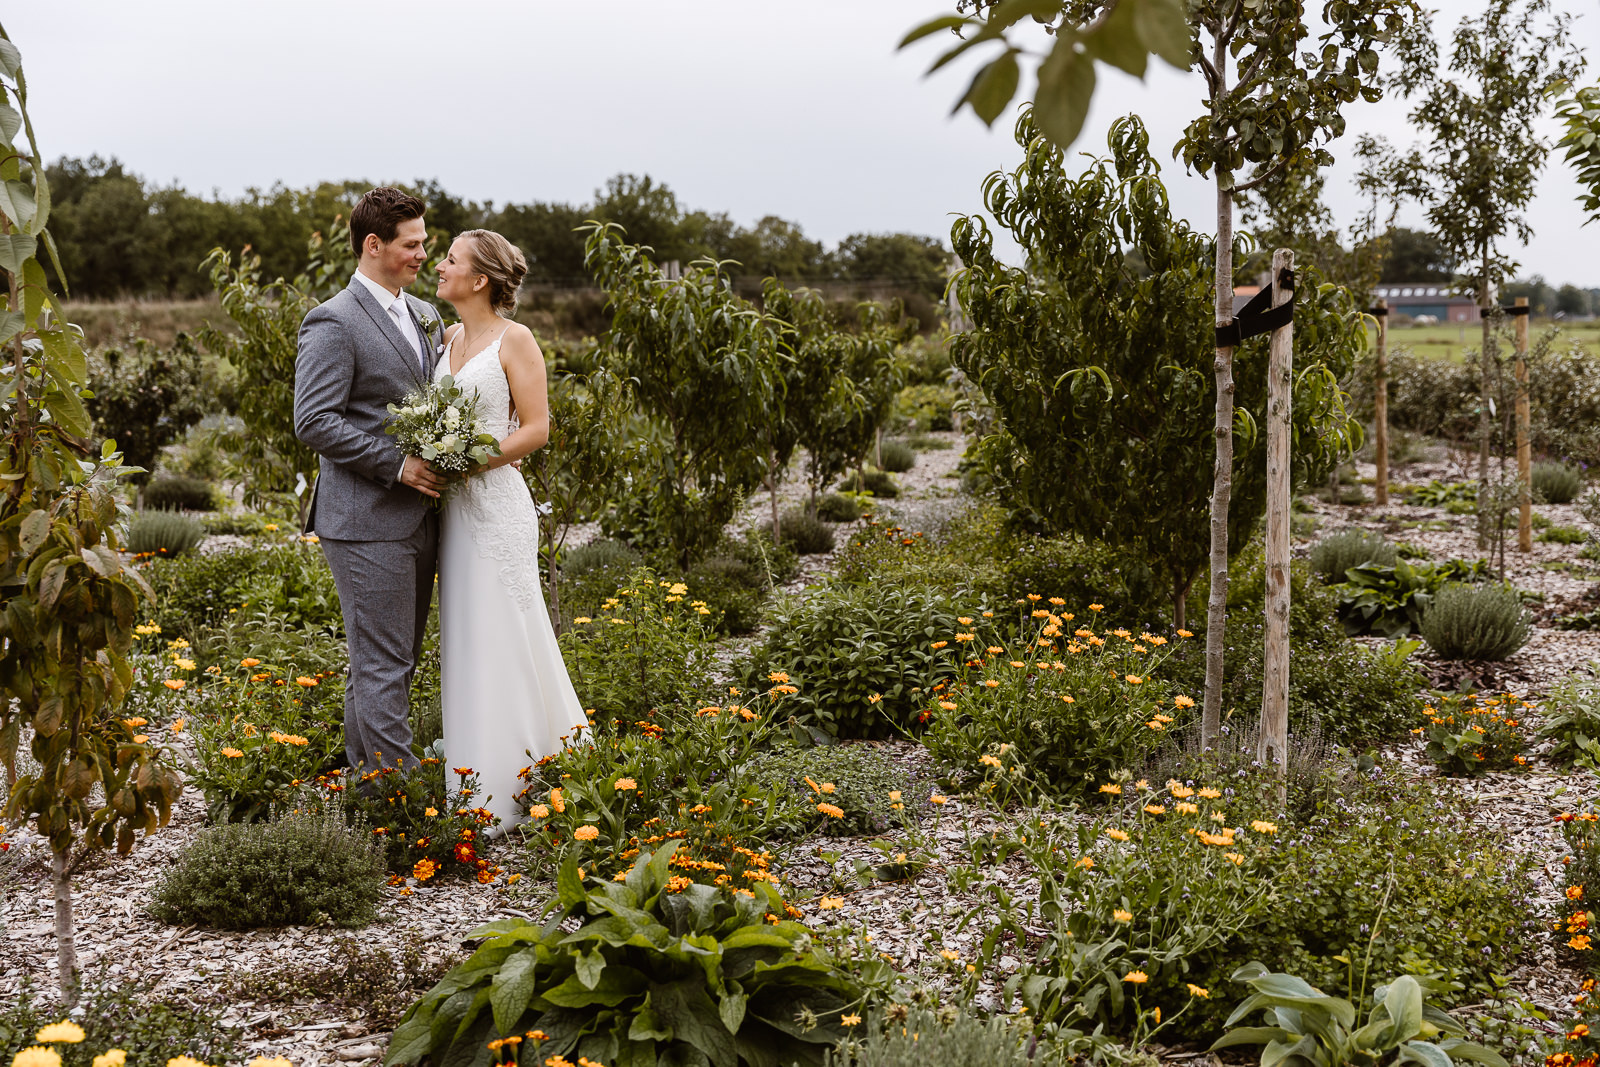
(1101, 374)
(703, 367)
(68, 604)
(1483, 151)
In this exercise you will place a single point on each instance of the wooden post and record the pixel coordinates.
(1524, 446)
(1380, 404)
(1273, 748)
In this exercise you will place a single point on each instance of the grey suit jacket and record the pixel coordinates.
(352, 363)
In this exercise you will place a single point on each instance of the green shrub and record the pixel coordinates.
(1468, 736)
(259, 735)
(1324, 1029)
(927, 442)
(1407, 861)
(863, 657)
(193, 592)
(1355, 694)
(295, 585)
(599, 554)
(835, 507)
(300, 870)
(146, 399)
(870, 480)
(925, 407)
(652, 648)
(179, 494)
(943, 1038)
(734, 592)
(164, 533)
(130, 1015)
(1477, 622)
(867, 786)
(241, 523)
(1062, 708)
(657, 971)
(1557, 483)
(1571, 713)
(897, 457)
(805, 533)
(1338, 552)
(1562, 535)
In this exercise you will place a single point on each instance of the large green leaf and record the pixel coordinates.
(17, 248)
(616, 985)
(1403, 1001)
(17, 204)
(695, 1018)
(1066, 85)
(590, 965)
(993, 87)
(512, 990)
(1425, 1053)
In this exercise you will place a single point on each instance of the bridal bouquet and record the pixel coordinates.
(440, 423)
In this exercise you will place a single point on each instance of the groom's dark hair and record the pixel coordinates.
(380, 212)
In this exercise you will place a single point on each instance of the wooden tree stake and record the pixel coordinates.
(1524, 447)
(1273, 747)
(1380, 406)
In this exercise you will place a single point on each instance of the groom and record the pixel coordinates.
(365, 348)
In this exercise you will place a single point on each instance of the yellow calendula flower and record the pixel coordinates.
(1183, 701)
(622, 785)
(1209, 793)
(831, 810)
(1198, 991)
(830, 903)
(1122, 916)
(62, 1033)
(938, 799)
(1136, 977)
(1261, 826)
(37, 1056)
(174, 684)
(1115, 834)
(1113, 788)
(115, 1058)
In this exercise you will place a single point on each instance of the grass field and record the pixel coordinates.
(1448, 341)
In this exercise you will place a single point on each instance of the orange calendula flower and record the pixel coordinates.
(1198, 991)
(134, 724)
(831, 810)
(232, 753)
(174, 684)
(539, 811)
(249, 661)
(1087, 863)
(556, 802)
(1210, 794)
(1575, 892)
(830, 903)
(1261, 826)
(938, 799)
(1136, 977)
(622, 785)
(586, 832)
(430, 812)
(1113, 788)
(1183, 701)
(306, 683)
(1157, 809)
(1185, 633)
(1115, 834)
(1122, 916)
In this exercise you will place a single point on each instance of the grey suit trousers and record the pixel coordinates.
(385, 590)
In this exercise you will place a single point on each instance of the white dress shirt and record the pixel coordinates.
(395, 305)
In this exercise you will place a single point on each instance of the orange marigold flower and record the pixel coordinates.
(424, 869)
(232, 753)
(622, 785)
(174, 684)
(1575, 892)
(1136, 977)
(249, 661)
(831, 810)
(556, 802)
(586, 832)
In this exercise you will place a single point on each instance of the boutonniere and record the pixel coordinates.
(428, 322)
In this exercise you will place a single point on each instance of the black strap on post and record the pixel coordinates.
(1378, 313)
(1259, 316)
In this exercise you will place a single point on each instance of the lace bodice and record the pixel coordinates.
(496, 505)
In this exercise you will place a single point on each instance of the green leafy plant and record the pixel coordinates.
(833, 507)
(658, 967)
(1468, 735)
(260, 736)
(1483, 622)
(896, 457)
(862, 780)
(146, 399)
(651, 649)
(177, 493)
(1060, 708)
(871, 481)
(1557, 483)
(1306, 1025)
(924, 408)
(1437, 494)
(1393, 600)
(805, 533)
(198, 591)
(1571, 713)
(862, 657)
(943, 1037)
(1562, 535)
(1335, 554)
(298, 870)
(164, 533)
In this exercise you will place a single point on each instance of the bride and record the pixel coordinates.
(507, 698)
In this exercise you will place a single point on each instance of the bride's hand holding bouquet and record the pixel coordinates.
(440, 424)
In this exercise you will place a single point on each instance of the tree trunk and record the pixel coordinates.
(1483, 397)
(1273, 746)
(66, 947)
(1524, 447)
(1380, 406)
(1222, 476)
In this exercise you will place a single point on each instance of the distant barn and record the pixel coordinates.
(1433, 299)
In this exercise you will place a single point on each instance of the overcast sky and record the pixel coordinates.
(749, 107)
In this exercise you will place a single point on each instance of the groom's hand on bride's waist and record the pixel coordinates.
(420, 475)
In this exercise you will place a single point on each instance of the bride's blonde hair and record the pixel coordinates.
(502, 263)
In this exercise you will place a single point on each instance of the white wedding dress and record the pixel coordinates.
(507, 697)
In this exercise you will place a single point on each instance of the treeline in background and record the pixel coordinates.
(121, 236)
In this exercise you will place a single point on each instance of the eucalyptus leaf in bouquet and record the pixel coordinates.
(440, 423)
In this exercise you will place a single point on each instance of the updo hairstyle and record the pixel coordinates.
(503, 264)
